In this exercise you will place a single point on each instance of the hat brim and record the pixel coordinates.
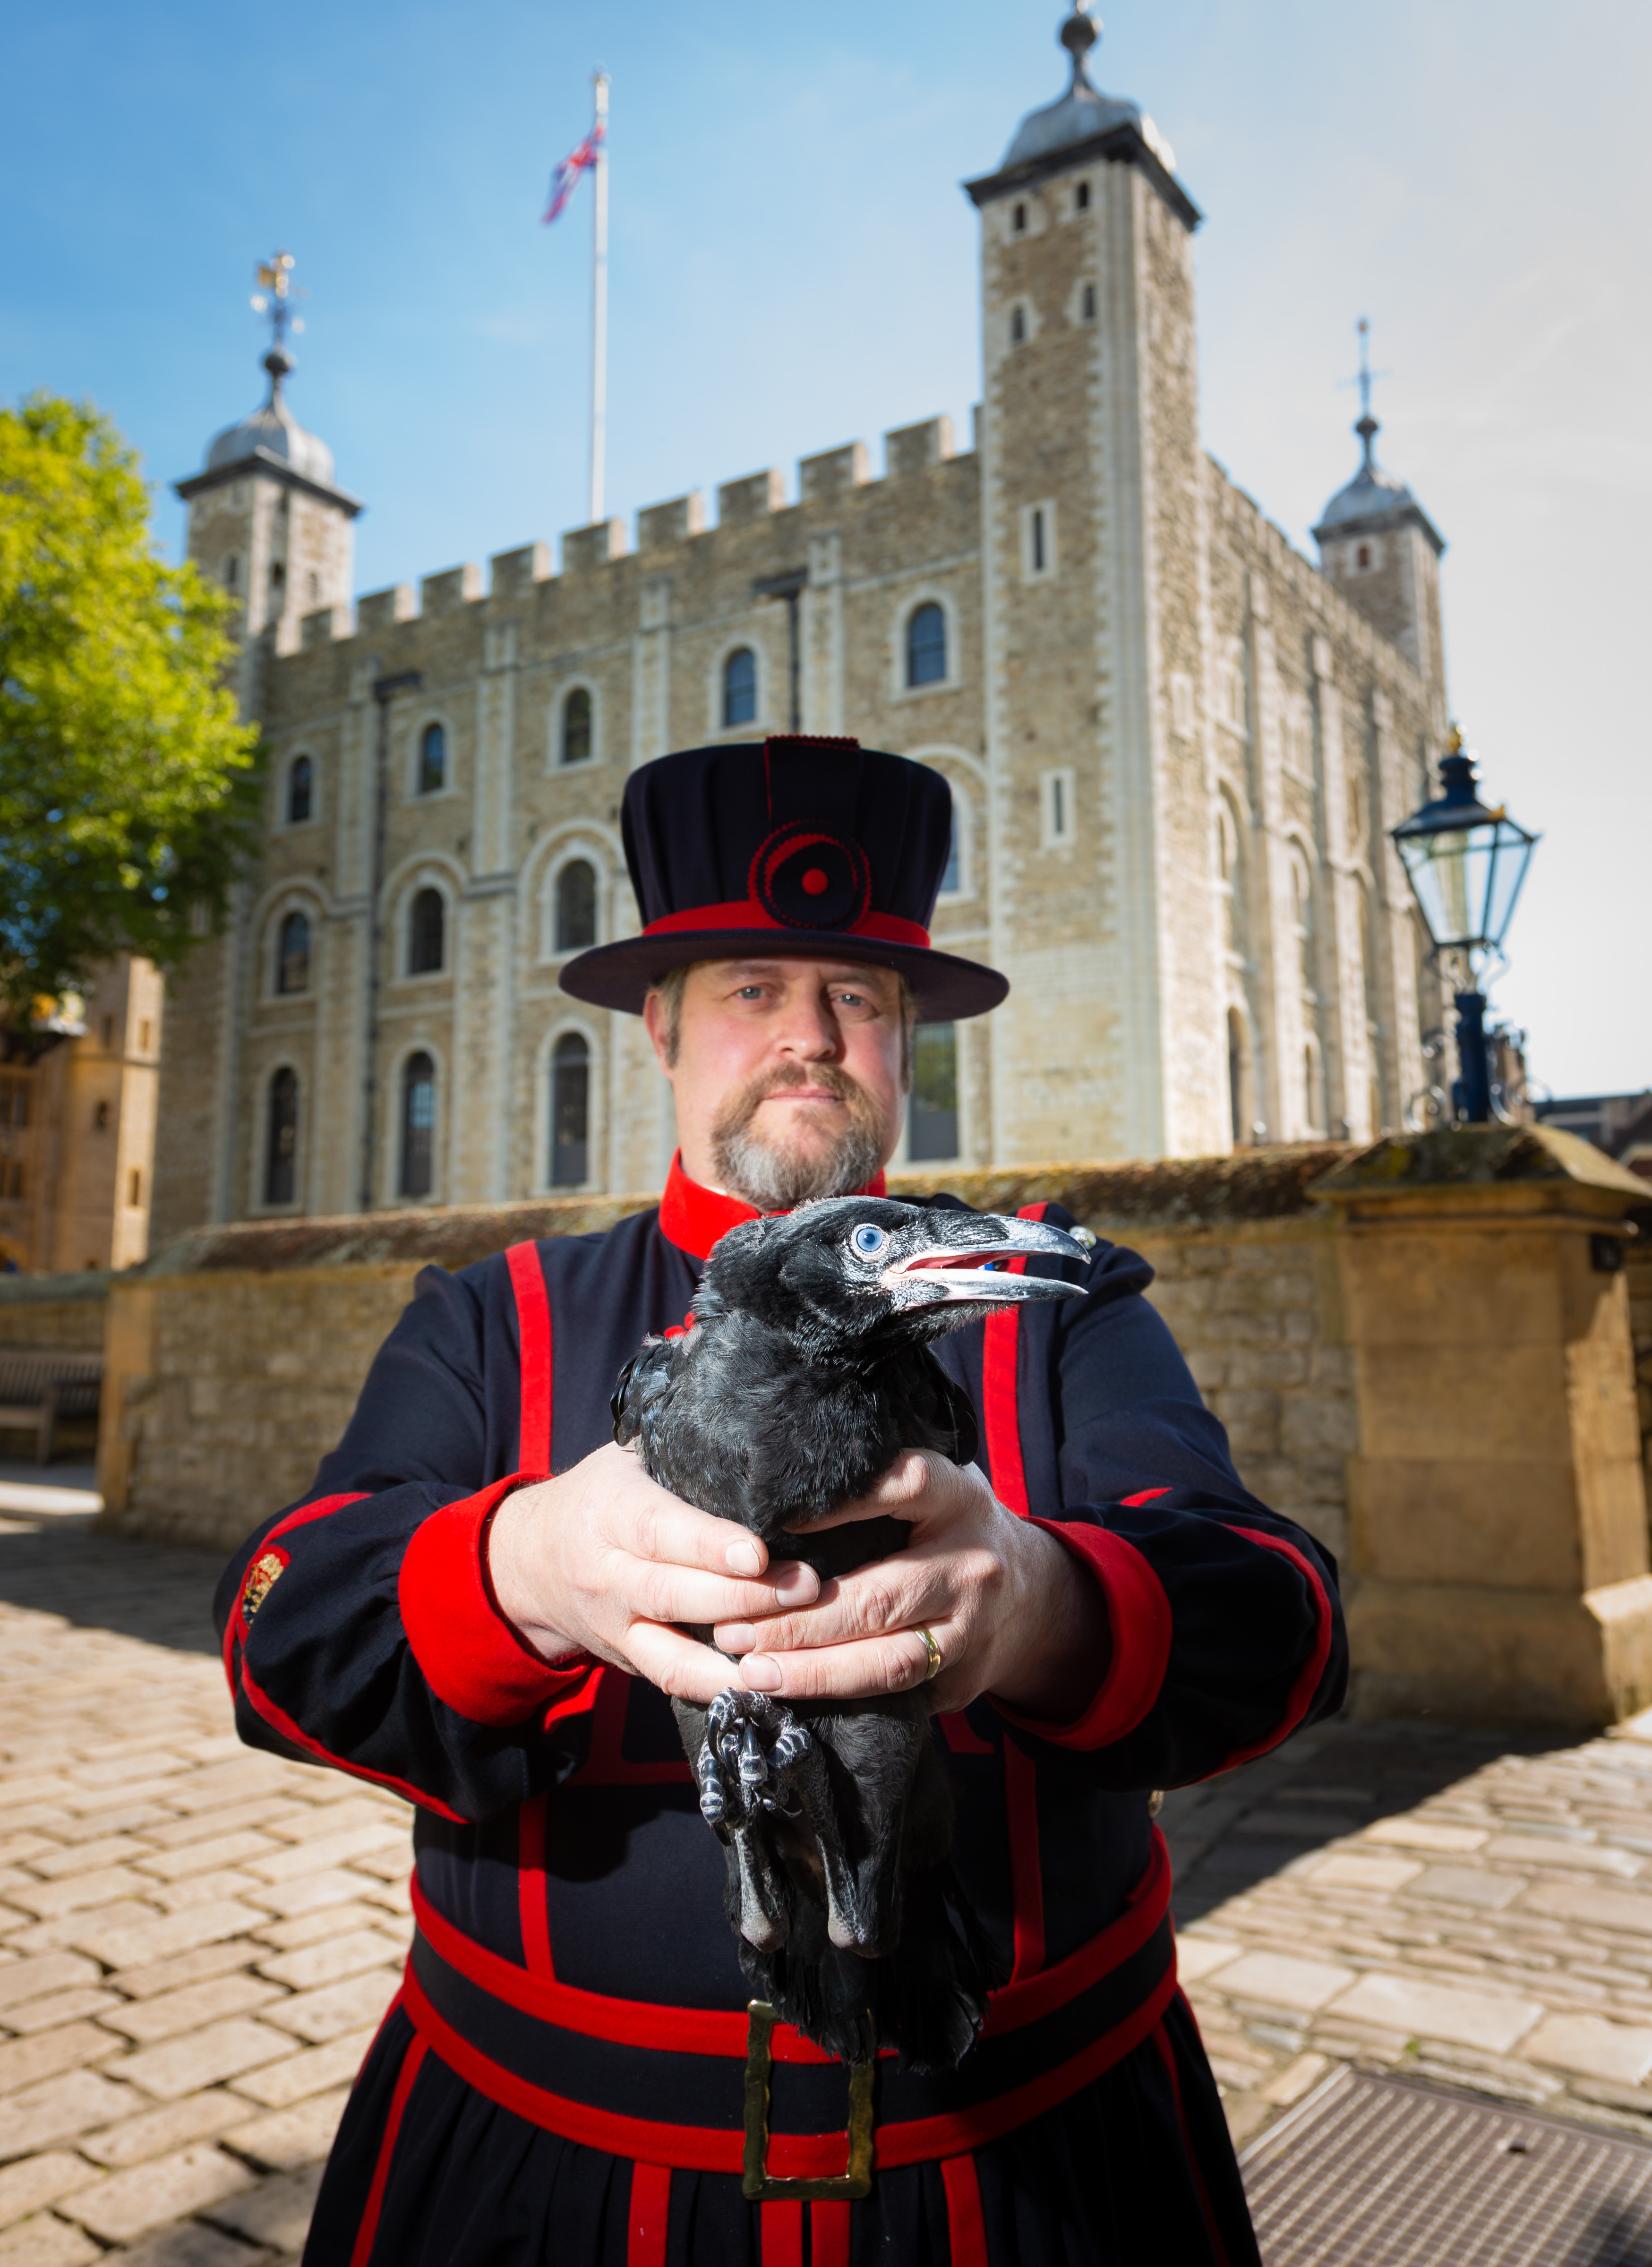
(623, 975)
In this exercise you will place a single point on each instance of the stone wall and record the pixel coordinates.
(235, 1356)
(54, 1311)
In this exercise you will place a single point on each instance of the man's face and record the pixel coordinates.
(788, 1075)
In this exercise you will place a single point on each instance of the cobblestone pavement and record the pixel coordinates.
(196, 1941)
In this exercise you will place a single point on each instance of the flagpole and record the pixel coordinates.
(599, 305)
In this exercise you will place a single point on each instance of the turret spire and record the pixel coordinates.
(274, 298)
(1367, 428)
(1078, 36)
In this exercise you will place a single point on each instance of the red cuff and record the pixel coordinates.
(1139, 1617)
(472, 1657)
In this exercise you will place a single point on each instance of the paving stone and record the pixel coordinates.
(46, 1899)
(1438, 2010)
(153, 2131)
(336, 1850)
(1583, 1857)
(1297, 2077)
(59, 2109)
(1574, 1901)
(1347, 1869)
(196, 2005)
(125, 2205)
(59, 2007)
(36, 2181)
(301, 2075)
(328, 1961)
(191, 2243)
(1594, 2046)
(52, 1971)
(1467, 1885)
(200, 2058)
(24, 2061)
(322, 1821)
(203, 1857)
(313, 1892)
(314, 1927)
(283, 2139)
(328, 2014)
(85, 1857)
(1199, 1955)
(276, 2213)
(1279, 1979)
(1425, 1834)
(47, 2242)
(130, 1946)
(193, 1967)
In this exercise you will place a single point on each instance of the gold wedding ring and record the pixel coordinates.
(934, 1652)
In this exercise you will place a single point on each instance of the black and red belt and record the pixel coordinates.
(734, 2091)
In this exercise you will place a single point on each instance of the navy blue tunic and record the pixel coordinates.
(561, 1853)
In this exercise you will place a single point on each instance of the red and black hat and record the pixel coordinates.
(815, 847)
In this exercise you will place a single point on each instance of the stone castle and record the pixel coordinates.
(1175, 748)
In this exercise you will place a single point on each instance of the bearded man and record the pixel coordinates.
(483, 1603)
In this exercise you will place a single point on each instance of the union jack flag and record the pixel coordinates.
(567, 174)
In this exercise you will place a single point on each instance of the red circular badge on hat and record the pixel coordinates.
(805, 879)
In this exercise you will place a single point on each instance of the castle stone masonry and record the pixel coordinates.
(1175, 748)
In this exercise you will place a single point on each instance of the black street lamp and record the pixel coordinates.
(1466, 863)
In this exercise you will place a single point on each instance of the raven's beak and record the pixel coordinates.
(973, 1255)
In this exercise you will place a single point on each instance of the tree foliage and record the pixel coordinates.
(128, 787)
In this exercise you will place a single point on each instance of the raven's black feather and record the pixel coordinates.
(806, 1372)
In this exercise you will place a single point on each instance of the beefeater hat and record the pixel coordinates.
(817, 848)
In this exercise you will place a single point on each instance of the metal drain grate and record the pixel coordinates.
(1381, 2172)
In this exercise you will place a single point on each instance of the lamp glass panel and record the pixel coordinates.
(1466, 881)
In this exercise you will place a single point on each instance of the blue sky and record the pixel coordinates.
(793, 266)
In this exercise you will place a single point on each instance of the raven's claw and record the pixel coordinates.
(752, 1747)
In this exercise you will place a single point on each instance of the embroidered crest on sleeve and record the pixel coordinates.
(260, 1581)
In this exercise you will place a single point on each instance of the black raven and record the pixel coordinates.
(806, 1371)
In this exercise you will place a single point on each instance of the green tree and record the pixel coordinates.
(128, 790)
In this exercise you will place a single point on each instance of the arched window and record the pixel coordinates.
(933, 1117)
(952, 872)
(1231, 877)
(281, 1153)
(575, 739)
(426, 939)
(432, 759)
(739, 687)
(570, 1112)
(418, 1126)
(577, 907)
(926, 646)
(300, 791)
(1302, 915)
(292, 954)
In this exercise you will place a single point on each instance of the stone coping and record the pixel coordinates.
(1481, 1157)
(55, 1290)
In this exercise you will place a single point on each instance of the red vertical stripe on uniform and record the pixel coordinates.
(1027, 1874)
(1001, 1405)
(782, 2235)
(369, 2228)
(651, 2215)
(533, 1336)
(531, 1897)
(828, 2235)
(964, 2223)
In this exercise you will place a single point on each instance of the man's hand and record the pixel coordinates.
(601, 1560)
(1012, 1612)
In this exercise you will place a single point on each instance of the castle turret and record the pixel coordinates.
(1382, 551)
(266, 520)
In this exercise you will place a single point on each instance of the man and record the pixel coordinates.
(564, 2075)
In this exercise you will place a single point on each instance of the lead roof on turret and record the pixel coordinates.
(272, 430)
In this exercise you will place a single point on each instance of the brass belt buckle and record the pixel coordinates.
(756, 2185)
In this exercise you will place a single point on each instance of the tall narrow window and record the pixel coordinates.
(232, 573)
(952, 872)
(739, 687)
(570, 1112)
(426, 940)
(1088, 302)
(1058, 828)
(281, 1151)
(577, 907)
(1238, 1110)
(933, 1113)
(418, 1126)
(1080, 197)
(926, 646)
(1036, 539)
(432, 759)
(575, 746)
(292, 956)
(300, 791)
(1017, 327)
(1019, 223)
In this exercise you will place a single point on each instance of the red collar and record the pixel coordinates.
(694, 1217)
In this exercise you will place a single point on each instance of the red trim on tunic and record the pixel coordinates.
(1140, 1621)
(533, 1338)
(1167, 2055)
(1306, 1683)
(829, 2235)
(273, 1714)
(651, 2215)
(999, 1391)
(751, 913)
(235, 1626)
(1026, 1873)
(965, 2225)
(695, 1218)
(1147, 1495)
(961, 1735)
(606, 1763)
(782, 2226)
(364, 2235)
(532, 1905)
(471, 1655)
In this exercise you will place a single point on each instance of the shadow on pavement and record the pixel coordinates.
(54, 1563)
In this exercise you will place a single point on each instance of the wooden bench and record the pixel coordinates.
(40, 1384)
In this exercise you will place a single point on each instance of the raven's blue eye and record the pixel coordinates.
(868, 1240)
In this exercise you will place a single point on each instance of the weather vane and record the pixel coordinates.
(274, 298)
